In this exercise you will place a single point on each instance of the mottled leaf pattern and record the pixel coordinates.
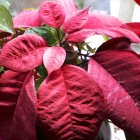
(110, 26)
(117, 73)
(119, 43)
(28, 18)
(23, 53)
(101, 21)
(17, 106)
(52, 14)
(117, 32)
(121, 32)
(120, 107)
(54, 58)
(76, 22)
(69, 105)
(69, 8)
(80, 36)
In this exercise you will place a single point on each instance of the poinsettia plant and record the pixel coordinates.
(55, 86)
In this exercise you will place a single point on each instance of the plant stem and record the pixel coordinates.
(58, 35)
(79, 51)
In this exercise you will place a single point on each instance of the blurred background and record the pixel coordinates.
(126, 10)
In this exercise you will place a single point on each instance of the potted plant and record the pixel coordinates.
(54, 86)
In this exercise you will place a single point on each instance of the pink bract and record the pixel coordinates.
(23, 53)
(29, 18)
(116, 70)
(69, 8)
(54, 85)
(52, 14)
(110, 26)
(54, 58)
(76, 22)
(101, 21)
(120, 107)
(80, 36)
(134, 27)
(72, 109)
(17, 106)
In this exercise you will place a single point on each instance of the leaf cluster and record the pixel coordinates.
(55, 85)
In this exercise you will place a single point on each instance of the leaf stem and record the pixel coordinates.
(79, 51)
(58, 34)
(83, 62)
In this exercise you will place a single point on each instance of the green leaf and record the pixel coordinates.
(29, 31)
(38, 83)
(6, 23)
(1, 69)
(2, 42)
(47, 35)
(91, 50)
(51, 29)
(84, 46)
(5, 3)
(106, 38)
(41, 70)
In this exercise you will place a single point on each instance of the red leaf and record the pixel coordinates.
(102, 21)
(76, 22)
(54, 58)
(120, 43)
(69, 8)
(134, 27)
(117, 73)
(80, 36)
(52, 14)
(110, 26)
(117, 32)
(27, 18)
(23, 53)
(69, 105)
(120, 32)
(17, 106)
(137, 1)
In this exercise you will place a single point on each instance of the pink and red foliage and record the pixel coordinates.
(27, 18)
(71, 101)
(17, 106)
(71, 110)
(79, 36)
(116, 70)
(110, 26)
(17, 53)
(54, 58)
(52, 14)
(69, 7)
(76, 22)
(134, 26)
